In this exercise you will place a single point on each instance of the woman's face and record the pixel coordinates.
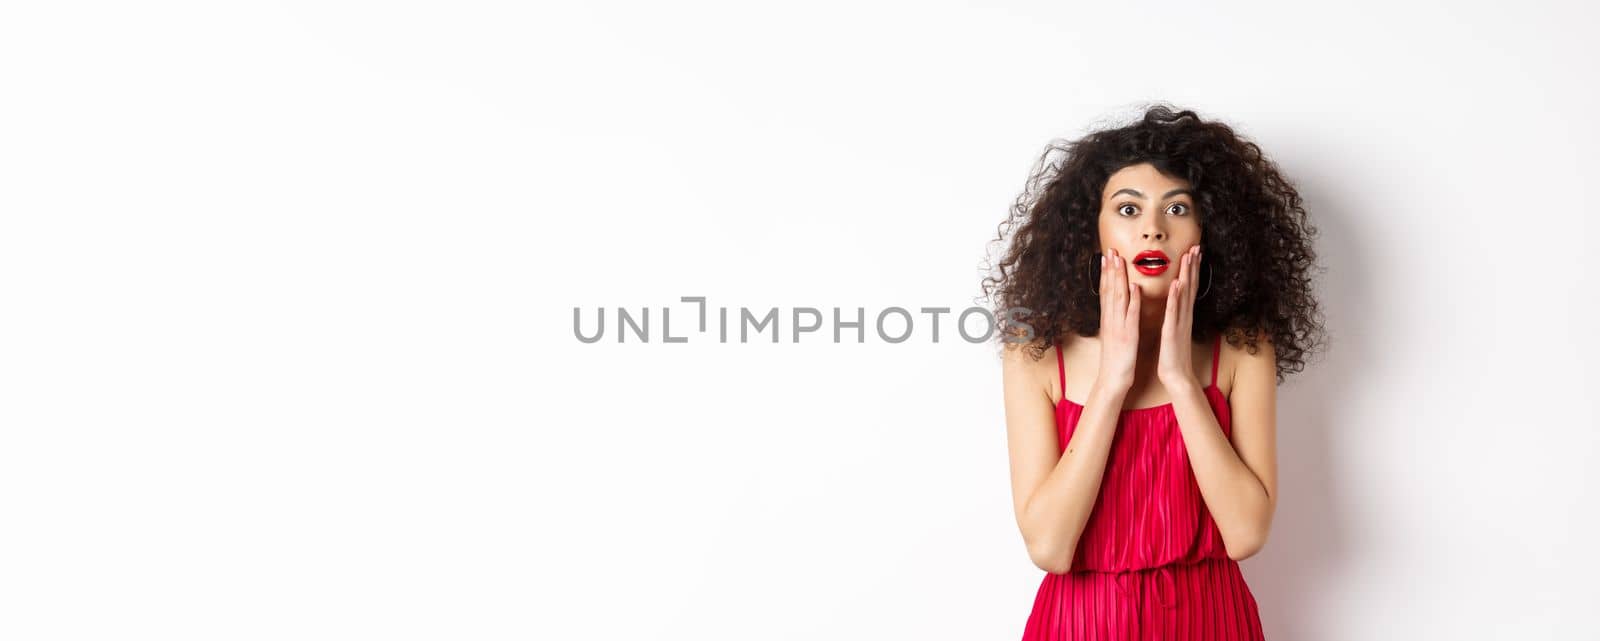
(1144, 210)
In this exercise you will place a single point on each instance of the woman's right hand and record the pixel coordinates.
(1119, 323)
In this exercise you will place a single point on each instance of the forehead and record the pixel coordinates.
(1143, 178)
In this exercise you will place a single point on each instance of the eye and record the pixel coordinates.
(1124, 206)
(1182, 208)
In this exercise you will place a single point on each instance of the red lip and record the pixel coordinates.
(1151, 270)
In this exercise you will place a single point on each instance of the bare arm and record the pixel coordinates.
(1053, 494)
(1054, 490)
(1237, 479)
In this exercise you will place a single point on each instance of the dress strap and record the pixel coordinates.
(1216, 357)
(1061, 367)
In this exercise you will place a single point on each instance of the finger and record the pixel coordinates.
(1134, 293)
(1128, 292)
(1169, 318)
(1133, 309)
(1119, 290)
(1122, 283)
(1186, 299)
(1185, 280)
(1198, 257)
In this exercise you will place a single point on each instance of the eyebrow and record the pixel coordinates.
(1136, 194)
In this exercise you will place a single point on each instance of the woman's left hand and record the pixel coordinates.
(1174, 367)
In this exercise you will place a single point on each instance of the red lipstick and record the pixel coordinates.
(1151, 262)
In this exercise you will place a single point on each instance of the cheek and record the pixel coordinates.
(1112, 235)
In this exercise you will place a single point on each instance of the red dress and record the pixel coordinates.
(1150, 563)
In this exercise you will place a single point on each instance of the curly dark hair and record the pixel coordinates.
(1257, 239)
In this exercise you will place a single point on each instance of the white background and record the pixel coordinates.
(288, 293)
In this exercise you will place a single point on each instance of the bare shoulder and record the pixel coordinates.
(1238, 365)
(1019, 363)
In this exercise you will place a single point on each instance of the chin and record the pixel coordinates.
(1149, 284)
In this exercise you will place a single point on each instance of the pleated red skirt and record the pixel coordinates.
(1198, 601)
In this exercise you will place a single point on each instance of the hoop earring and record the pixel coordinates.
(1095, 262)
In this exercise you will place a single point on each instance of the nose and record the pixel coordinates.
(1154, 228)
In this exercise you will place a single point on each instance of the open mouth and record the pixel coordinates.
(1151, 262)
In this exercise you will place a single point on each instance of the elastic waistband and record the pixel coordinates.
(1162, 577)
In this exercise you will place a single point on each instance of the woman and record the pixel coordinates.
(1160, 275)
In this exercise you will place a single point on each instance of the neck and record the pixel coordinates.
(1152, 314)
